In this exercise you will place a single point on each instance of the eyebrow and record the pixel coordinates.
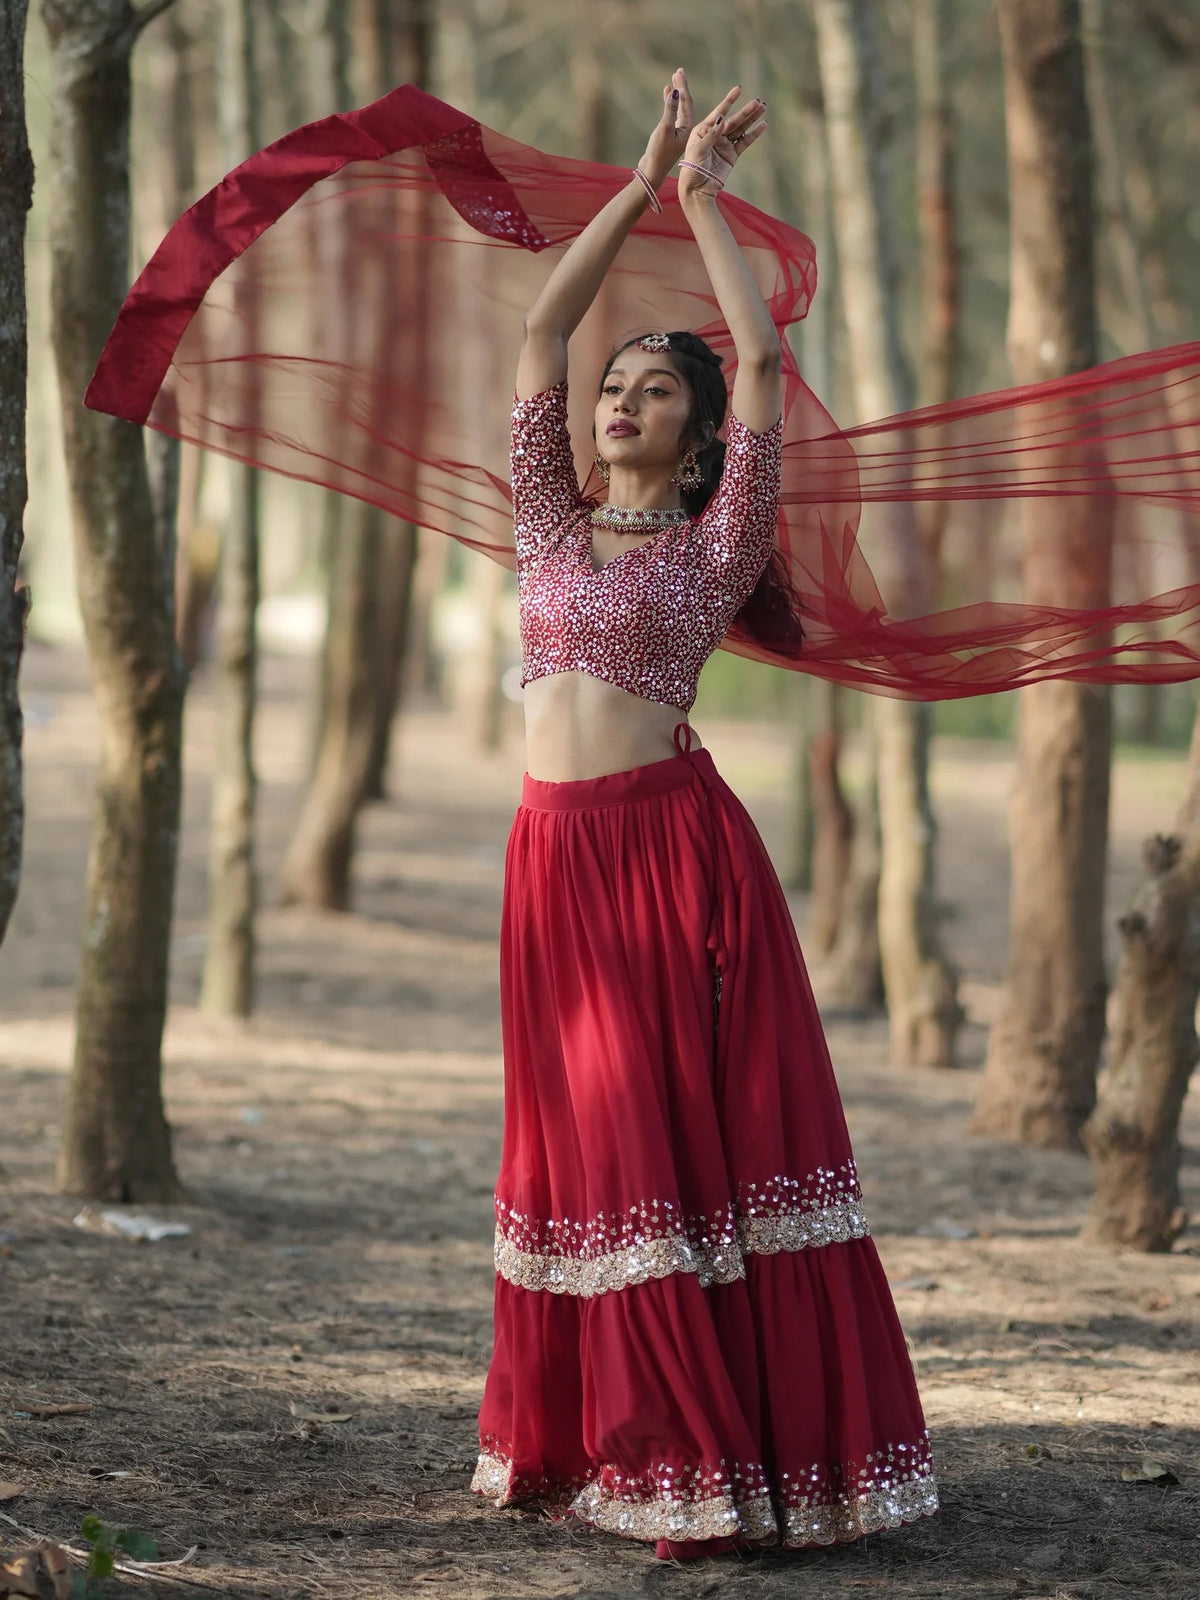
(662, 372)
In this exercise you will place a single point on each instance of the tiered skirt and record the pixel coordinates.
(695, 1340)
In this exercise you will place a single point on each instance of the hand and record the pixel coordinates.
(669, 137)
(716, 143)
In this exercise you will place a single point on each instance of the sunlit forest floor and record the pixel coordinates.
(341, 1150)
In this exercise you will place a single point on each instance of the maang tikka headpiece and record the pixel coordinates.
(655, 343)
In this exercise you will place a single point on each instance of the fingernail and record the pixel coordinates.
(674, 94)
(720, 119)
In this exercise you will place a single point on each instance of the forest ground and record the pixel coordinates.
(340, 1153)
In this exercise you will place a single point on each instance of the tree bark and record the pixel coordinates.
(16, 196)
(853, 977)
(938, 240)
(371, 562)
(919, 983)
(116, 1144)
(197, 546)
(402, 49)
(1132, 1135)
(821, 821)
(1040, 1075)
(801, 821)
(833, 824)
(1126, 309)
(227, 988)
(317, 869)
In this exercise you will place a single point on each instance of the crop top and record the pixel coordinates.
(649, 619)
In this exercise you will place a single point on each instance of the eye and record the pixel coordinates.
(611, 388)
(655, 388)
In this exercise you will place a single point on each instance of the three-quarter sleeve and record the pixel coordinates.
(545, 489)
(737, 528)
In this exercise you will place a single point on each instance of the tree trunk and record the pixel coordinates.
(228, 985)
(397, 563)
(357, 698)
(1132, 1135)
(919, 983)
(116, 1143)
(939, 243)
(488, 585)
(402, 52)
(1126, 308)
(1040, 1075)
(833, 824)
(1111, 189)
(853, 977)
(798, 873)
(16, 196)
(317, 869)
(197, 546)
(821, 821)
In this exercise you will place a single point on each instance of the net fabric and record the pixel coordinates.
(346, 307)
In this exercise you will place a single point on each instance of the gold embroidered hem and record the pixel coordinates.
(654, 1239)
(801, 1509)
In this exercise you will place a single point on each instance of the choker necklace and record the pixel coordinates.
(634, 519)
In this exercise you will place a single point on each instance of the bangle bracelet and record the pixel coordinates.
(641, 177)
(703, 171)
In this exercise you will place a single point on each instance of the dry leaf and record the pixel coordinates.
(43, 1573)
(321, 1417)
(37, 1408)
(1149, 1471)
(10, 1491)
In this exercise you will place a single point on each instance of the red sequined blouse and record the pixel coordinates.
(649, 619)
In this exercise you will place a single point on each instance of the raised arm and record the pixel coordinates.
(573, 284)
(714, 146)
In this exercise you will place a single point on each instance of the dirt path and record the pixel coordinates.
(341, 1153)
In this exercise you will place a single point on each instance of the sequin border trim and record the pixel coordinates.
(895, 1485)
(654, 1239)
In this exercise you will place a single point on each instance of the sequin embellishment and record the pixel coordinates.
(649, 619)
(654, 1239)
(803, 1505)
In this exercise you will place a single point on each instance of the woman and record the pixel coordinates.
(695, 1343)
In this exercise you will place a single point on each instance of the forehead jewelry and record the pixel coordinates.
(654, 343)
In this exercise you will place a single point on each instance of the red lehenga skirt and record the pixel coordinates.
(695, 1340)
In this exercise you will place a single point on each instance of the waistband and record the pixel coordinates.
(618, 788)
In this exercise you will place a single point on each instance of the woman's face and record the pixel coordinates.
(642, 411)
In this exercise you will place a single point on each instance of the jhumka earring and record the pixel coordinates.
(687, 474)
(601, 466)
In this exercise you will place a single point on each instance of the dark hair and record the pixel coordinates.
(771, 616)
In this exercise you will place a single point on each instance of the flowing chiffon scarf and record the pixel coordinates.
(345, 308)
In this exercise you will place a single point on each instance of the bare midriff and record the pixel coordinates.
(577, 726)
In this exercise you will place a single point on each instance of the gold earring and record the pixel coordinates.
(601, 466)
(687, 474)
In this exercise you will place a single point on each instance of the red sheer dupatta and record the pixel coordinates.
(345, 308)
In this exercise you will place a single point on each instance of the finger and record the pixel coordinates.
(745, 115)
(670, 101)
(687, 110)
(739, 133)
(714, 125)
(722, 107)
(747, 139)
